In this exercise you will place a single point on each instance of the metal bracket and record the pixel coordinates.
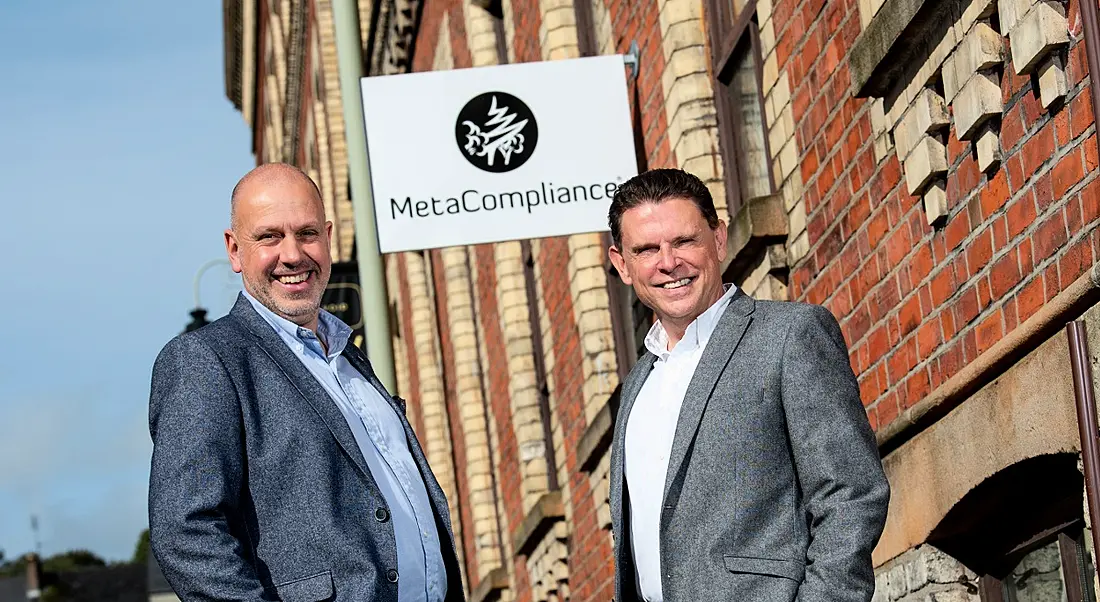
(633, 58)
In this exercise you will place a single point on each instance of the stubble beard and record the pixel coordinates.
(299, 310)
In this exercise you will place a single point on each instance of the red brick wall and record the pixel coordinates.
(500, 404)
(590, 565)
(590, 577)
(637, 20)
(428, 38)
(591, 574)
(527, 19)
(917, 304)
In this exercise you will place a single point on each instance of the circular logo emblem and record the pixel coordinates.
(496, 132)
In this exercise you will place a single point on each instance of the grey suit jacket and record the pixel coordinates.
(775, 490)
(258, 490)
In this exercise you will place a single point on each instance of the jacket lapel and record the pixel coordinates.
(631, 387)
(720, 348)
(302, 380)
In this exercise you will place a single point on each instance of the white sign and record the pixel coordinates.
(500, 153)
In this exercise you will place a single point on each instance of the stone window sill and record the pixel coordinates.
(538, 522)
(491, 587)
(872, 75)
(758, 223)
(597, 437)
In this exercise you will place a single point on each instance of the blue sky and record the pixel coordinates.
(118, 150)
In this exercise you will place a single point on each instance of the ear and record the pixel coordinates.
(720, 235)
(328, 232)
(233, 250)
(617, 260)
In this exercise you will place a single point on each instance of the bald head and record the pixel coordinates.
(279, 241)
(263, 178)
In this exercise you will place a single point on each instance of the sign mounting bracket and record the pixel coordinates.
(632, 58)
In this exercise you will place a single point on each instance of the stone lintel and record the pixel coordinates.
(1028, 411)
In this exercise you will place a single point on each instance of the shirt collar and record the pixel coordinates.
(330, 329)
(697, 333)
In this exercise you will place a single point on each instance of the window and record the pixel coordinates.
(735, 44)
(1056, 567)
(625, 309)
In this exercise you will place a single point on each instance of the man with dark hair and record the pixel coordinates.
(743, 466)
(282, 468)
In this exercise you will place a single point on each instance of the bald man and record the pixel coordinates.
(282, 468)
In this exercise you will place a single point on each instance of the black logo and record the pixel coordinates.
(496, 132)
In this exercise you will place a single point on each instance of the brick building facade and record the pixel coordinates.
(925, 169)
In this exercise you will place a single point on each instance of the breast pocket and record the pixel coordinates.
(315, 588)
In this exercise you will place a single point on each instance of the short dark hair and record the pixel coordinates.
(655, 186)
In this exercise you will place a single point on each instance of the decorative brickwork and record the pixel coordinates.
(916, 303)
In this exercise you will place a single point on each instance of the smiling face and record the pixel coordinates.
(279, 242)
(673, 259)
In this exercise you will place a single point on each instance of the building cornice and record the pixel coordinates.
(296, 56)
(232, 36)
(239, 43)
(393, 36)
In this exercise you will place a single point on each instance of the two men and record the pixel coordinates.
(743, 466)
(282, 469)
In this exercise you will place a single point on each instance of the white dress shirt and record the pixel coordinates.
(650, 429)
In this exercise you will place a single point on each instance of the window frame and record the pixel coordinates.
(1072, 555)
(727, 45)
(621, 298)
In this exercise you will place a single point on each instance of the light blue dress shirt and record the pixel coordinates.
(381, 438)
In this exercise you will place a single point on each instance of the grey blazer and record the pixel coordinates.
(775, 491)
(258, 490)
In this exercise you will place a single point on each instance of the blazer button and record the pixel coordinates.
(382, 515)
(391, 575)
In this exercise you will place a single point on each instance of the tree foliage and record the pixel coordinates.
(71, 560)
(141, 550)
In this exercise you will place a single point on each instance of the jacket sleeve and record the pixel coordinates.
(197, 476)
(844, 488)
